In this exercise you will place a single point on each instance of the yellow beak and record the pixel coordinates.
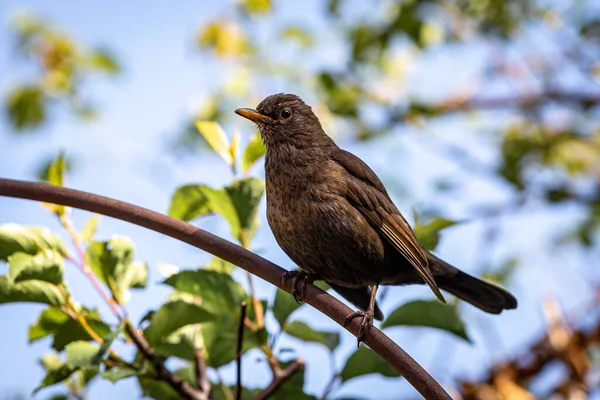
(252, 115)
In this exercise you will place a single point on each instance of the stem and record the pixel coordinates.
(72, 312)
(85, 268)
(161, 372)
(280, 378)
(258, 310)
(200, 371)
(240, 341)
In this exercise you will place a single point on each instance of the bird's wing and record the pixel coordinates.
(368, 195)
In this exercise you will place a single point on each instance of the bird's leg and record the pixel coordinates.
(300, 278)
(367, 316)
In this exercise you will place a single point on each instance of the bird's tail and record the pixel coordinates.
(359, 297)
(490, 298)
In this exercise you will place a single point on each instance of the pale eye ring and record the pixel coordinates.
(286, 113)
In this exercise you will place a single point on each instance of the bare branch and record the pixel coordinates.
(85, 268)
(200, 371)
(240, 341)
(523, 101)
(162, 373)
(280, 376)
(333, 308)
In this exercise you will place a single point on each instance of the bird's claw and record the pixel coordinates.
(365, 324)
(299, 278)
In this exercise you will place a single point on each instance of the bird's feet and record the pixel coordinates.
(299, 281)
(365, 324)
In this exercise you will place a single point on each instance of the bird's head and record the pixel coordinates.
(285, 118)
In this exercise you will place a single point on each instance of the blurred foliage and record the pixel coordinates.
(63, 66)
(543, 130)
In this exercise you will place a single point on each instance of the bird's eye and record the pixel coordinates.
(286, 113)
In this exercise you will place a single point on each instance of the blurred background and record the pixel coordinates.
(480, 113)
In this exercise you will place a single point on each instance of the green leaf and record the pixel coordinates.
(245, 195)
(48, 323)
(82, 354)
(431, 314)
(217, 139)
(216, 291)
(172, 316)
(283, 306)
(189, 202)
(30, 291)
(365, 361)
(89, 229)
(158, 390)
(30, 240)
(112, 262)
(218, 339)
(116, 374)
(237, 203)
(46, 266)
(26, 107)
(72, 331)
(253, 152)
(56, 171)
(56, 371)
(305, 333)
(429, 234)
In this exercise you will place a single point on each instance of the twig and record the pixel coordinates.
(258, 311)
(202, 380)
(240, 341)
(162, 373)
(333, 308)
(280, 378)
(85, 268)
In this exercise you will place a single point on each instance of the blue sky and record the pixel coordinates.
(123, 155)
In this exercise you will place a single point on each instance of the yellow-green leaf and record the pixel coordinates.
(253, 152)
(217, 139)
(30, 291)
(47, 266)
(28, 239)
(56, 176)
(87, 233)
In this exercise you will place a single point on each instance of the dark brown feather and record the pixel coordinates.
(375, 204)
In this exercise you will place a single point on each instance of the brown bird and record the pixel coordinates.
(334, 218)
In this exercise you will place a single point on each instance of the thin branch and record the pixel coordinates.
(162, 373)
(202, 380)
(521, 101)
(240, 341)
(280, 378)
(85, 268)
(333, 308)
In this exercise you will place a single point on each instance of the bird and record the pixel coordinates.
(332, 215)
